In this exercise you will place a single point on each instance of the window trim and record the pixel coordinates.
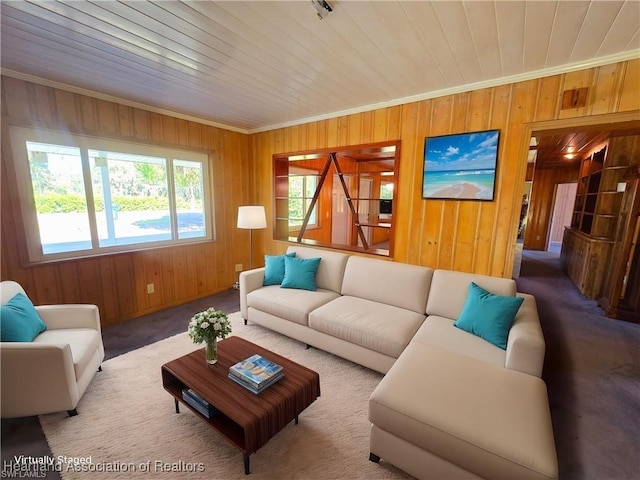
(385, 151)
(304, 173)
(21, 135)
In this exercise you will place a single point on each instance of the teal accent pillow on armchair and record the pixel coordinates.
(274, 268)
(300, 273)
(488, 316)
(19, 321)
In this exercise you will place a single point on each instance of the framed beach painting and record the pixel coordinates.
(461, 166)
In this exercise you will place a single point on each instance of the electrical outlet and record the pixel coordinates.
(238, 267)
(538, 237)
(150, 288)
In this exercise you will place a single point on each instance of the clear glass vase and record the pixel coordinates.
(211, 350)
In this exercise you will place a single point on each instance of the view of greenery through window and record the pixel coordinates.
(123, 198)
(386, 190)
(301, 190)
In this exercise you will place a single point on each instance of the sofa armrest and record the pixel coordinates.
(70, 316)
(249, 281)
(525, 346)
(36, 378)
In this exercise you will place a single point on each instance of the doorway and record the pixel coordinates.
(564, 200)
(560, 163)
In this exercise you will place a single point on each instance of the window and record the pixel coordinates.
(346, 196)
(302, 186)
(83, 196)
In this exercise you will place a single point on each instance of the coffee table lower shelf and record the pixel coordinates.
(245, 419)
(223, 424)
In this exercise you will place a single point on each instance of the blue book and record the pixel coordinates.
(198, 403)
(253, 389)
(195, 396)
(255, 370)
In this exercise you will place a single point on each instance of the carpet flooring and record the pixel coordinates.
(129, 420)
(592, 371)
(24, 436)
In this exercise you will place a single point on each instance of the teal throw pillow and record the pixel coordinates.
(19, 321)
(488, 316)
(274, 268)
(300, 273)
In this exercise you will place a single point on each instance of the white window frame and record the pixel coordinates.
(21, 135)
(304, 173)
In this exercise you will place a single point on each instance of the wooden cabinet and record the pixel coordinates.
(585, 260)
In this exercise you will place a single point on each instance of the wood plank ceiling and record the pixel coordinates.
(255, 65)
(562, 148)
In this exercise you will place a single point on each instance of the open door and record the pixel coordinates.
(564, 200)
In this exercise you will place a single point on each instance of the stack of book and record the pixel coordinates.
(198, 403)
(256, 373)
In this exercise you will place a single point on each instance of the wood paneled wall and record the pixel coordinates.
(461, 235)
(467, 236)
(541, 203)
(117, 283)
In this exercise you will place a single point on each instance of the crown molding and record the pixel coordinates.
(547, 72)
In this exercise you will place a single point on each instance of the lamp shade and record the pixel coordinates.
(252, 217)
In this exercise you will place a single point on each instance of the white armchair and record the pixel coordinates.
(51, 373)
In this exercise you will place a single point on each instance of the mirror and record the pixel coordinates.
(340, 198)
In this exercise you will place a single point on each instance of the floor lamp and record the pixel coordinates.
(251, 218)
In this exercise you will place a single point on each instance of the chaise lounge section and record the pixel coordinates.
(475, 410)
(463, 419)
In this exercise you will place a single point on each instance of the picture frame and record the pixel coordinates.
(461, 166)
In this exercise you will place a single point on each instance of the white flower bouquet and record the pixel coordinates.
(208, 325)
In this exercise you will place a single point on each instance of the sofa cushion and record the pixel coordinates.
(19, 321)
(439, 332)
(379, 327)
(274, 269)
(331, 268)
(300, 273)
(449, 290)
(83, 342)
(398, 284)
(290, 304)
(491, 421)
(488, 316)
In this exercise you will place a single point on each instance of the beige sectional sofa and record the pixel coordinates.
(451, 404)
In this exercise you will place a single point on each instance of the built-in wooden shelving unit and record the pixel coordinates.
(593, 245)
(587, 244)
(598, 200)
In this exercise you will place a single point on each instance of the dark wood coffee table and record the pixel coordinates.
(245, 419)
